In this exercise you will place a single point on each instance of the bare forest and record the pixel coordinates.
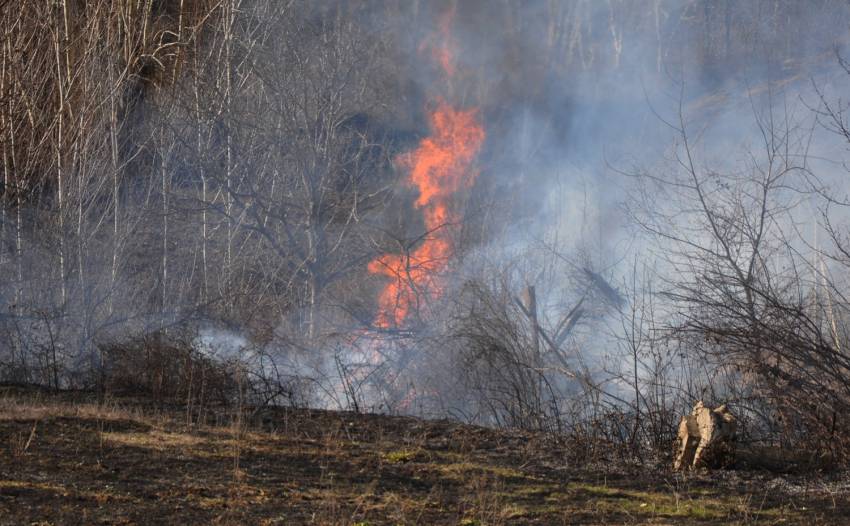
(574, 219)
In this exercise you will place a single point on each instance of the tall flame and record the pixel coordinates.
(441, 165)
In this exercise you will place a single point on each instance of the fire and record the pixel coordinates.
(441, 165)
(442, 48)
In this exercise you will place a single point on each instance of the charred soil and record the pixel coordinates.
(75, 460)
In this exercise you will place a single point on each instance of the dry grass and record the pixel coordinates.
(38, 407)
(84, 462)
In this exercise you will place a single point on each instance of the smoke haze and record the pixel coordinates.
(242, 182)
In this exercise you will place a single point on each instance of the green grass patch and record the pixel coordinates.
(402, 455)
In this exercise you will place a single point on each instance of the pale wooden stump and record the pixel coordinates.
(706, 438)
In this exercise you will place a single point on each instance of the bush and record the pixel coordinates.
(166, 369)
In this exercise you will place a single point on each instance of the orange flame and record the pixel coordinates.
(442, 51)
(441, 165)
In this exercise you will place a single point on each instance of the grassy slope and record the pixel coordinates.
(64, 462)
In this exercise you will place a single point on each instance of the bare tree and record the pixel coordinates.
(743, 287)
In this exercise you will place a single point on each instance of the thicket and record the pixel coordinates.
(173, 171)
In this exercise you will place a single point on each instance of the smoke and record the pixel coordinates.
(575, 97)
(571, 97)
(257, 178)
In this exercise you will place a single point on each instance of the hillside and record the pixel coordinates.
(72, 460)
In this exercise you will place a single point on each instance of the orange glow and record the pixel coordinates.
(442, 51)
(439, 167)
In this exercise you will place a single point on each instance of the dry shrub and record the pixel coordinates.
(166, 369)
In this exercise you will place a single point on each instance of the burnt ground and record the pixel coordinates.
(66, 461)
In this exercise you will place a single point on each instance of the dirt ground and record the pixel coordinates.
(65, 461)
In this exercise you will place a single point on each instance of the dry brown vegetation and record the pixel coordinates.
(191, 193)
(72, 459)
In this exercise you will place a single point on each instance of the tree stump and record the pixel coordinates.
(706, 438)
